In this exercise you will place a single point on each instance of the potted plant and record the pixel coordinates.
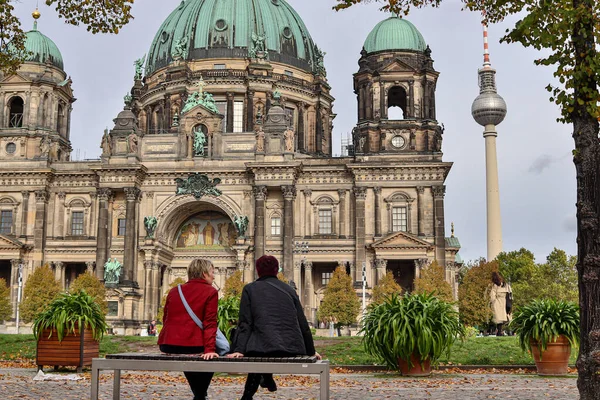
(411, 332)
(548, 328)
(69, 330)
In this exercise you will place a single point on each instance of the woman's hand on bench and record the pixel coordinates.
(235, 355)
(318, 356)
(208, 356)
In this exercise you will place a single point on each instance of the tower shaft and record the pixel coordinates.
(494, 222)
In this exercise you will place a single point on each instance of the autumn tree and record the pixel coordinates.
(567, 32)
(473, 295)
(234, 285)
(516, 265)
(40, 289)
(340, 303)
(433, 280)
(5, 306)
(386, 287)
(96, 16)
(177, 281)
(93, 287)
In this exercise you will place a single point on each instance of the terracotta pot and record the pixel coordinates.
(555, 359)
(416, 369)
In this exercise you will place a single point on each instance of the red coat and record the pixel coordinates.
(179, 329)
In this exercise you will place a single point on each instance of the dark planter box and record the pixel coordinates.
(75, 350)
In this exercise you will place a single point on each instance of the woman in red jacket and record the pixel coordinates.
(180, 334)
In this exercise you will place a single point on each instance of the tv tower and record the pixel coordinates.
(489, 110)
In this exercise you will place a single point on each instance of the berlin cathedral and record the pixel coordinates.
(223, 151)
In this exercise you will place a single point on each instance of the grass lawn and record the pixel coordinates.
(339, 350)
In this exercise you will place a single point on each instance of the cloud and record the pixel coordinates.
(570, 223)
(541, 163)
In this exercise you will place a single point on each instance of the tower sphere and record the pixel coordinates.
(488, 109)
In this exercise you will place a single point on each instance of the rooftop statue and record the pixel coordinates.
(106, 144)
(139, 68)
(198, 185)
(180, 48)
(112, 271)
(128, 99)
(200, 97)
(258, 48)
(319, 65)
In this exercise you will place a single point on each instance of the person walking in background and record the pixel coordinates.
(498, 297)
(152, 328)
(271, 324)
(180, 333)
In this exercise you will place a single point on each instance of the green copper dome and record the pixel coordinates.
(41, 48)
(394, 34)
(204, 29)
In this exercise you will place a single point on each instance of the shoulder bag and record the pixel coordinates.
(222, 344)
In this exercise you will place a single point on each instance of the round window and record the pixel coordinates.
(398, 141)
(220, 25)
(276, 2)
(164, 36)
(287, 32)
(11, 148)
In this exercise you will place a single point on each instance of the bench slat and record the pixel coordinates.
(196, 357)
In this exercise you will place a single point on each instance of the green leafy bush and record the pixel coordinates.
(93, 287)
(234, 285)
(340, 302)
(543, 321)
(228, 314)
(473, 294)
(68, 312)
(418, 324)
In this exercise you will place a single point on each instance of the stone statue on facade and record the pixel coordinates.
(260, 140)
(150, 223)
(319, 65)
(362, 142)
(132, 143)
(199, 142)
(139, 68)
(45, 146)
(180, 48)
(437, 138)
(53, 153)
(258, 48)
(200, 98)
(198, 185)
(128, 99)
(241, 224)
(106, 144)
(288, 136)
(112, 271)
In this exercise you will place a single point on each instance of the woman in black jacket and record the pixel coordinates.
(272, 323)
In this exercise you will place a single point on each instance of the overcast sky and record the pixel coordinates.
(537, 176)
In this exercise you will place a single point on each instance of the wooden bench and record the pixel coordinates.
(193, 363)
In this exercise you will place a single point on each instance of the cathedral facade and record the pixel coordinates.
(223, 150)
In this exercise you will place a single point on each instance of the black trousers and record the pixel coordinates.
(198, 381)
(253, 380)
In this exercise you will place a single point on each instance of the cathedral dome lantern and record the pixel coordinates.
(394, 34)
(41, 49)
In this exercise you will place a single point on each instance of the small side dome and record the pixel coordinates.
(394, 33)
(41, 48)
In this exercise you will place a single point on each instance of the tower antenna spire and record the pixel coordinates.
(486, 50)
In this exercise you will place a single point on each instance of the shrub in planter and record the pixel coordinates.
(228, 314)
(416, 330)
(68, 331)
(548, 328)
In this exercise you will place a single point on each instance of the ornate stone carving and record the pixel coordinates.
(90, 266)
(132, 193)
(420, 189)
(439, 191)
(104, 194)
(380, 264)
(198, 185)
(307, 265)
(150, 224)
(360, 193)
(341, 193)
(260, 192)
(307, 193)
(377, 190)
(61, 195)
(25, 195)
(289, 192)
(241, 224)
(41, 196)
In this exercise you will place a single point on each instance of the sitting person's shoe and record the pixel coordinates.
(268, 384)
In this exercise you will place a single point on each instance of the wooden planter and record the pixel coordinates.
(416, 369)
(555, 359)
(75, 350)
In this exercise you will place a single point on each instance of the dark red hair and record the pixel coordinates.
(267, 265)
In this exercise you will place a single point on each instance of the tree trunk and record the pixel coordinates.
(587, 165)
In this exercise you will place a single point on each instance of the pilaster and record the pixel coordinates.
(128, 277)
(289, 194)
(440, 231)
(260, 195)
(102, 237)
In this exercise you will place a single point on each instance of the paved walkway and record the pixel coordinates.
(19, 384)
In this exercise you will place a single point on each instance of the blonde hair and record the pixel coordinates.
(199, 267)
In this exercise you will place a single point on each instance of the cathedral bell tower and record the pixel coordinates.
(395, 87)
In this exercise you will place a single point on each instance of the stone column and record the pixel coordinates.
(90, 266)
(298, 277)
(59, 273)
(222, 271)
(360, 194)
(91, 230)
(307, 230)
(419, 265)
(2, 109)
(301, 132)
(411, 100)
(14, 283)
(249, 111)
(127, 276)
(102, 236)
(380, 267)
(382, 109)
(308, 289)
(342, 229)
(229, 121)
(155, 295)
(39, 228)
(289, 194)
(60, 223)
(148, 290)
(353, 271)
(377, 191)
(420, 211)
(24, 213)
(26, 109)
(439, 228)
(260, 195)
(247, 274)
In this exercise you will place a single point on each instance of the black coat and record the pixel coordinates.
(272, 320)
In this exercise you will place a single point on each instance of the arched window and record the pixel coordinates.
(397, 101)
(16, 106)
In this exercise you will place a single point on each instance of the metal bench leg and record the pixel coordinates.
(324, 385)
(95, 382)
(117, 385)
